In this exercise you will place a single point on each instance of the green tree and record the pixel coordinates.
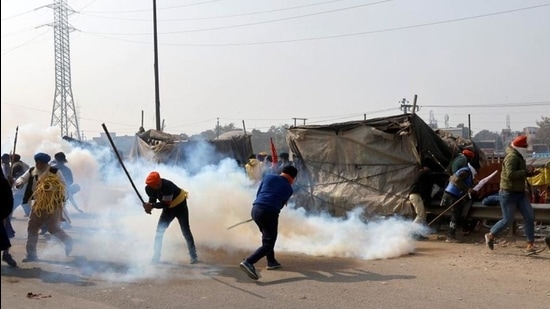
(484, 135)
(488, 139)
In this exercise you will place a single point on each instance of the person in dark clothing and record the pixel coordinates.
(272, 195)
(461, 183)
(421, 189)
(6, 172)
(18, 169)
(173, 202)
(7, 208)
(462, 160)
(284, 160)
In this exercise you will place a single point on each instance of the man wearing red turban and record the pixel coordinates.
(512, 194)
(164, 194)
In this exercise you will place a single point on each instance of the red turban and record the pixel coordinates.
(468, 153)
(153, 179)
(520, 141)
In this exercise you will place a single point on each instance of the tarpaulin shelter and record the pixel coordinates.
(540, 183)
(542, 164)
(172, 149)
(369, 163)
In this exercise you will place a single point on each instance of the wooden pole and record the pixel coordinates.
(122, 163)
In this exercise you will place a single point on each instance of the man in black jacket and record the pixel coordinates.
(7, 207)
(420, 193)
(164, 194)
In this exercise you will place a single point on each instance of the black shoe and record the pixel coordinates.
(194, 261)
(249, 270)
(547, 241)
(6, 257)
(30, 258)
(273, 266)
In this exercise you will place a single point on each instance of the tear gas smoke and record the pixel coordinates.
(119, 235)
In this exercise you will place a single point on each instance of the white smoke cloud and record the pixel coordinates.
(118, 235)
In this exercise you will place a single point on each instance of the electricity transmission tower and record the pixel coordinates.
(63, 111)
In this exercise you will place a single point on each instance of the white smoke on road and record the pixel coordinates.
(116, 236)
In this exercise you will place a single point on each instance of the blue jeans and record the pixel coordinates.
(509, 201)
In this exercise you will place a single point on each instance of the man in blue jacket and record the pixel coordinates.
(272, 195)
(461, 183)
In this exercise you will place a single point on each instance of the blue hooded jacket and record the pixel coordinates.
(273, 193)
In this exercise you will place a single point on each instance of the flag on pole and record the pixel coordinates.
(273, 152)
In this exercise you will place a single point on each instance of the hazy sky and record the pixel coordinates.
(267, 62)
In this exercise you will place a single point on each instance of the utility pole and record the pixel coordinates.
(156, 67)
(469, 127)
(406, 107)
(304, 119)
(63, 111)
(217, 128)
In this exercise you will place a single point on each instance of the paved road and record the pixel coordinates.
(438, 275)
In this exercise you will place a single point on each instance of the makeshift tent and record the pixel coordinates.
(369, 164)
(171, 149)
(542, 164)
(540, 183)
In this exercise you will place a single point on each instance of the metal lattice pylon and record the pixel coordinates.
(63, 111)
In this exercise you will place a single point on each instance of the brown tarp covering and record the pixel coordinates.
(369, 164)
(169, 149)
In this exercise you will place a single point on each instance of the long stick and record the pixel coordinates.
(10, 176)
(449, 208)
(438, 163)
(122, 163)
(235, 225)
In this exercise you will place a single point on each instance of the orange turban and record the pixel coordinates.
(468, 153)
(153, 179)
(520, 141)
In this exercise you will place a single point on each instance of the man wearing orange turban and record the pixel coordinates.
(165, 195)
(512, 194)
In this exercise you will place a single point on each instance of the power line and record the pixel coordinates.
(17, 15)
(24, 43)
(256, 23)
(313, 38)
(149, 10)
(18, 32)
(222, 16)
(500, 105)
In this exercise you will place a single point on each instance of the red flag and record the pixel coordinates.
(273, 152)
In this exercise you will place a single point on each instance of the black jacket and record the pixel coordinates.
(7, 198)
